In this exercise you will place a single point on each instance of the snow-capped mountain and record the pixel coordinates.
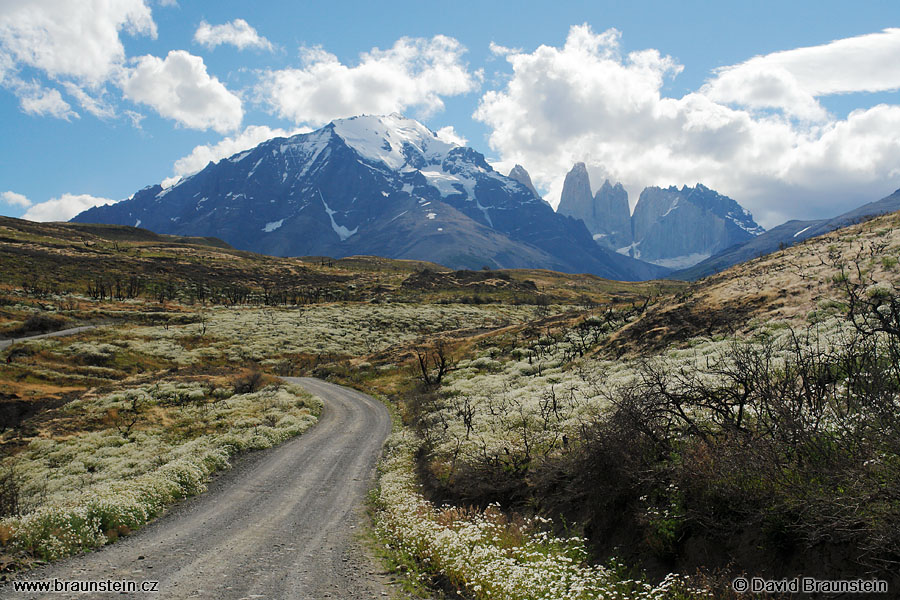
(372, 185)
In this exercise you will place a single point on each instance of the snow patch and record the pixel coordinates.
(398, 216)
(681, 262)
(381, 139)
(341, 230)
(431, 216)
(671, 208)
(270, 227)
(801, 231)
(741, 221)
(239, 157)
(446, 183)
(484, 209)
(137, 223)
(631, 250)
(253, 169)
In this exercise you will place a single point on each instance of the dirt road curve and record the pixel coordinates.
(281, 525)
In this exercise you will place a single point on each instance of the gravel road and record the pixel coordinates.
(282, 524)
(62, 332)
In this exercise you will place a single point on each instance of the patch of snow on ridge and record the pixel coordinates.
(445, 183)
(431, 216)
(270, 227)
(742, 222)
(137, 223)
(801, 231)
(341, 230)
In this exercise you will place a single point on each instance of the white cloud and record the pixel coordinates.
(64, 208)
(201, 156)
(96, 105)
(791, 80)
(588, 102)
(35, 99)
(71, 39)
(238, 33)
(14, 199)
(413, 73)
(178, 87)
(448, 134)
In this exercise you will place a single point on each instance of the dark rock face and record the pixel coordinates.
(372, 185)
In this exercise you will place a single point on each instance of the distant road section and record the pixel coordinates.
(6, 343)
(282, 524)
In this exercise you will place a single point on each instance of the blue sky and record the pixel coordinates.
(790, 108)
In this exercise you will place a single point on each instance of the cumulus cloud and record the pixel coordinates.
(448, 134)
(72, 39)
(64, 208)
(178, 87)
(588, 101)
(238, 33)
(13, 199)
(792, 80)
(413, 73)
(35, 99)
(201, 156)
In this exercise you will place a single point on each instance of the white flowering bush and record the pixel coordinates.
(524, 404)
(488, 554)
(325, 329)
(149, 447)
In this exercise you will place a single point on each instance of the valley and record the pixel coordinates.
(583, 429)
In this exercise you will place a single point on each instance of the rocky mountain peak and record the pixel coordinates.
(681, 227)
(519, 173)
(576, 199)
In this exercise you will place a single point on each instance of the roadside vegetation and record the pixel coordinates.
(762, 441)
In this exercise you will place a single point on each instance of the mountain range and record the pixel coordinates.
(388, 186)
(670, 227)
(373, 185)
